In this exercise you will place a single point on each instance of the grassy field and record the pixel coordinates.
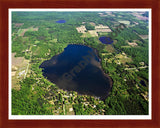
(21, 32)
(124, 22)
(87, 34)
(102, 33)
(19, 65)
(110, 49)
(123, 58)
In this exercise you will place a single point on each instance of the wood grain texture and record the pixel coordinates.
(6, 4)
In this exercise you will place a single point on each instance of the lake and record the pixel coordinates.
(106, 40)
(61, 21)
(78, 69)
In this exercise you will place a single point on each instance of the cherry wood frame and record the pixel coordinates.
(6, 4)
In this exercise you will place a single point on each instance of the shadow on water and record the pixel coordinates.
(78, 69)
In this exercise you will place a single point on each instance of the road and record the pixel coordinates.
(28, 62)
(136, 68)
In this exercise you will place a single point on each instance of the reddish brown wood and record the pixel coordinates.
(6, 4)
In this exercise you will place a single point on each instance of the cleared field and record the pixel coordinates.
(86, 34)
(53, 41)
(37, 42)
(21, 32)
(101, 28)
(41, 50)
(110, 13)
(110, 49)
(102, 15)
(123, 58)
(81, 29)
(36, 50)
(18, 24)
(93, 33)
(92, 23)
(144, 36)
(133, 44)
(139, 16)
(69, 110)
(16, 61)
(19, 65)
(124, 22)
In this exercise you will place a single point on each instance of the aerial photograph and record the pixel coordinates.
(79, 62)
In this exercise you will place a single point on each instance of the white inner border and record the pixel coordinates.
(80, 117)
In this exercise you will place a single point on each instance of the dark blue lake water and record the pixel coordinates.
(78, 69)
(61, 21)
(106, 40)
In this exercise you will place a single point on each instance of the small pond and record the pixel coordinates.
(106, 40)
(61, 21)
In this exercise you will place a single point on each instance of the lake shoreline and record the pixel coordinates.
(99, 66)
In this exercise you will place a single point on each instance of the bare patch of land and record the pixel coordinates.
(19, 65)
(133, 44)
(101, 28)
(139, 16)
(144, 36)
(110, 13)
(93, 33)
(81, 29)
(21, 32)
(18, 24)
(90, 33)
(124, 22)
(92, 23)
(86, 34)
(16, 61)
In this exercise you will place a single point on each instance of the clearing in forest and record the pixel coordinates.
(102, 28)
(81, 29)
(133, 43)
(110, 49)
(90, 33)
(19, 65)
(93, 33)
(123, 58)
(18, 24)
(139, 15)
(144, 36)
(124, 22)
(92, 23)
(21, 32)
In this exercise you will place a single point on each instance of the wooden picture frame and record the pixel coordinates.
(4, 103)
